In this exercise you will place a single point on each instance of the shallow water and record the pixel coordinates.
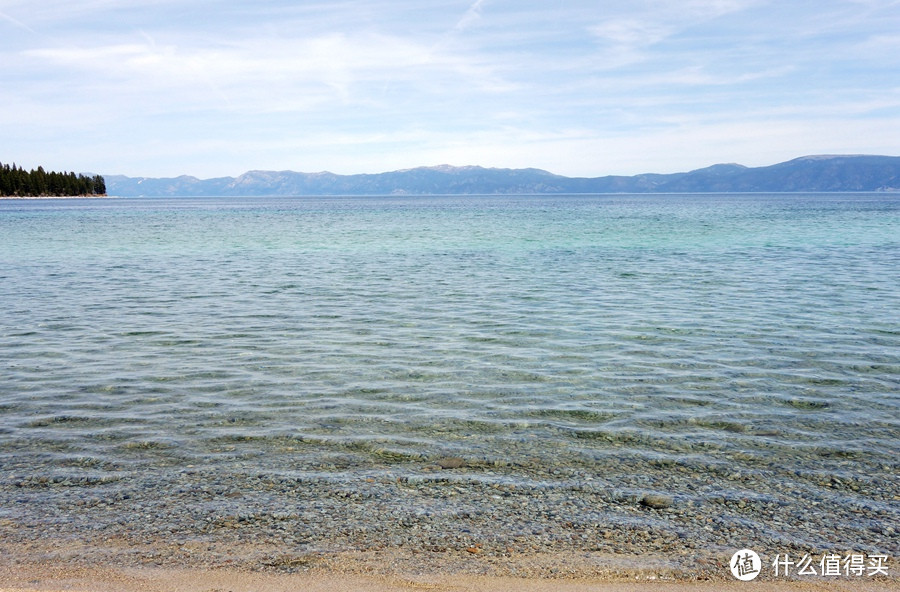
(713, 348)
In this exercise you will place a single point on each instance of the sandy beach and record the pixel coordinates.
(46, 578)
(49, 566)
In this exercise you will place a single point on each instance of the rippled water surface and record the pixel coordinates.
(752, 342)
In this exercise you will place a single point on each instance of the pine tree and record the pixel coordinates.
(99, 185)
(5, 180)
(15, 181)
(39, 181)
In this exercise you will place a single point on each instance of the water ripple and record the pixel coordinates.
(755, 337)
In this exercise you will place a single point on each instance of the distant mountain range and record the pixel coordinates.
(809, 173)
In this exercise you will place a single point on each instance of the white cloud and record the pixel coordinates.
(583, 88)
(259, 74)
(631, 32)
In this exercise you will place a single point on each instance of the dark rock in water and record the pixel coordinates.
(451, 462)
(657, 502)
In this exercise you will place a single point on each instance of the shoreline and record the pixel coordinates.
(275, 557)
(46, 575)
(166, 564)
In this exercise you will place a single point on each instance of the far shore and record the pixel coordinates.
(104, 196)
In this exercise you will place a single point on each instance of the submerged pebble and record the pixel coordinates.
(452, 462)
(657, 501)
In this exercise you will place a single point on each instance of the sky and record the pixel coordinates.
(212, 88)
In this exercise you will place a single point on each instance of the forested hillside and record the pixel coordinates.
(17, 182)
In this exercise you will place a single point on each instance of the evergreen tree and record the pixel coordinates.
(16, 182)
(5, 181)
(39, 180)
(99, 185)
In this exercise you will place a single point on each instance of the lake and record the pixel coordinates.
(665, 374)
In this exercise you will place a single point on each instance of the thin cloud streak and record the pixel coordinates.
(17, 23)
(472, 15)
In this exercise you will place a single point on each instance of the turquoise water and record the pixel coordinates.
(750, 341)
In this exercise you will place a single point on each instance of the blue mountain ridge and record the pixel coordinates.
(829, 173)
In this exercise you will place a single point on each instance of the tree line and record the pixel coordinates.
(16, 181)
